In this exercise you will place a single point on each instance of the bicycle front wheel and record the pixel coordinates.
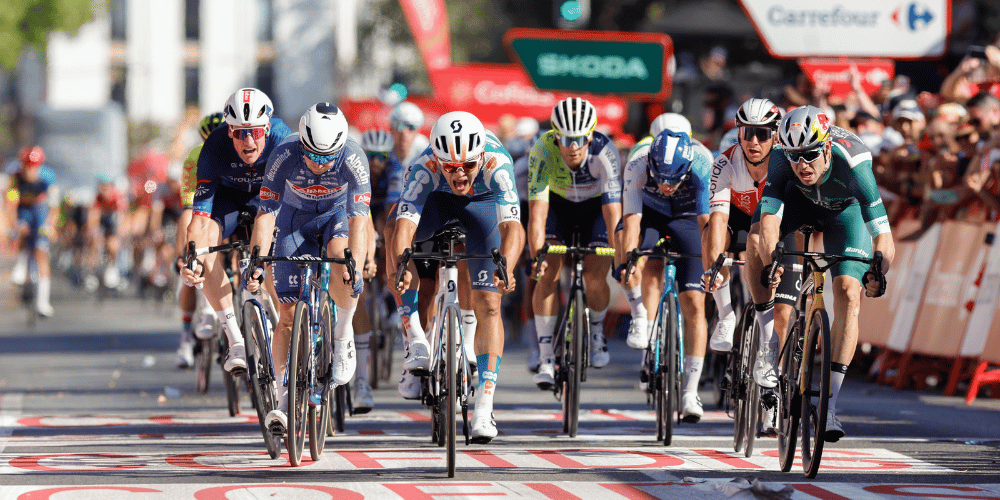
(319, 416)
(788, 386)
(262, 390)
(575, 373)
(451, 323)
(203, 358)
(752, 410)
(816, 400)
(298, 383)
(669, 368)
(740, 369)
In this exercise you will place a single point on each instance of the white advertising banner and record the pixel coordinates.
(154, 84)
(851, 28)
(914, 282)
(978, 329)
(228, 51)
(78, 67)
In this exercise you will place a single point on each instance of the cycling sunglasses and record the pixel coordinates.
(377, 156)
(242, 133)
(399, 127)
(450, 167)
(673, 182)
(806, 156)
(321, 159)
(761, 133)
(569, 142)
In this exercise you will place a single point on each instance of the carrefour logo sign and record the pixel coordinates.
(912, 16)
(592, 66)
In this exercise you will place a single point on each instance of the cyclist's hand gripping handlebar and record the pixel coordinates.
(192, 264)
(875, 273)
(401, 267)
(770, 271)
(630, 262)
(357, 285)
(501, 262)
(539, 259)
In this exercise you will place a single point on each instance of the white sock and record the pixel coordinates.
(344, 329)
(228, 319)
(44, 289)
(836, 380)
(692, 372)
(22, 261)
(469, 323)
(597, 320)
(544, 328)
(361, 343)
(765, 319)
(634, 297)
(723, 300)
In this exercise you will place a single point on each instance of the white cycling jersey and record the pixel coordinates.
(731, 183)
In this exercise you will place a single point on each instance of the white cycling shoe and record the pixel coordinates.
(763, 369)
(345, 360)
(484, 428)
(236, 360)
(185, 354)
(277, 422)
(638, 333)
(418, 360)
(44, 309)
(534, 357)
(409, 386)
(19, 275)
(769, 425)
(546, 376)
(363, 399)
(693, 411)
(599, 355)
(834, 429)
(205, 328)
(722, 337)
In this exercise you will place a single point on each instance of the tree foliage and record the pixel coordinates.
(27, 23)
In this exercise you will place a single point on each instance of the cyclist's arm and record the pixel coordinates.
(883, 243)
(713, 238)
(770, 234)
(511, 243)
(612, 213)
(357, 239)
(263, 231)
(402, 238)
(538, 198)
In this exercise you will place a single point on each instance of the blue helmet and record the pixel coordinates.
(670, 157)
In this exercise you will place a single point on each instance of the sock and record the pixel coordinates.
(489, 369)
(410, 317)
(44, 288)
(634, 297)
(469, 323)
(228, 319)
(22, 261)
(597, 321)
(765, 318)
(692, 372)
(361, 343)
(837, 373)
(544, 328)
(723, 300)
(187, 333)
(344, 329)
(530, 333)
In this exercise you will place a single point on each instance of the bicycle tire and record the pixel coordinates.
(204, 356)
(736, 370)
(575, 378)
(752, 412)
(318, 415)
(297, 373)
(451, 337)
(262, 390)
(232, 394)
(669, 370)
(653, 360)
(375, 340)
(788, 385)
(814, 415)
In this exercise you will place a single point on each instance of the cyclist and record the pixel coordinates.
(32, 190)
(673, 121)
(405, 121)
(316, 192)
(823, 179)
(666, 194)
(466, 175)
(230, 173)
(189, 297)
(387, 181)
(574, 186)
(103, 219)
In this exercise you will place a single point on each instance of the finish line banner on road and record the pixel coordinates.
(852, 28)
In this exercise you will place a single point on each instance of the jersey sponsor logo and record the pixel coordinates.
(202, 181)
(278, 161)
(267, 194)
(365, 198)
(317, 191)
(491, 163)
(359, 170)
(201, 190)
(856, 251)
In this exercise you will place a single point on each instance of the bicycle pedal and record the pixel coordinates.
(769, 399)
(276, 430)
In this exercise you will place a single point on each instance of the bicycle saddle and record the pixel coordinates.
(449, 233)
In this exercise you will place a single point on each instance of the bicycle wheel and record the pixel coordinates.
(229, 381)
(788, 385)
(752, 411)
(743, 379)
(319, 416)
(575, 374)
(669, 376)
(298, 383)
(451, 324)
(259, 377)
(816, 400)
(652, 360)
(204, 355)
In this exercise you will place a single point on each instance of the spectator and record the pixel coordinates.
(898, 171)
(974, 75)
(984, 114)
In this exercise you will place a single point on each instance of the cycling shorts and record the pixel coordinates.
(301, 233)
(585, 218)
(34, 216)
(685, 238)
(109, 223)
(478, 216)
(791, 282)
(228, 203)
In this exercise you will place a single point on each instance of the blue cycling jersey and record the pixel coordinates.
(220, 165)
(386, 189)
(33, 192)
(690, 199)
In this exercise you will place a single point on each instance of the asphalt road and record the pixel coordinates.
(91, 406)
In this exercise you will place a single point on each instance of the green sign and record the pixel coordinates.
(628, 64)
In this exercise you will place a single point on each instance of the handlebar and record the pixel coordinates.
(347, 260)
(658, 252)
(875, 264)
(498, 259)
(569, 250)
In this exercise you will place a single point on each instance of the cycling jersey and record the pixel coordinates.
(598, 175)
(115, 202)
(847, 181)
(731, 183)
(220, 165)
(189, 177)
(146, 174)
(691, 198)
(386, 189)
(31, 193)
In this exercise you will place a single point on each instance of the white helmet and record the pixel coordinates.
(406, 113)
(670, 121)
(458, 136)
(804, 128)
(758, 113)
(248, 107)
(323, 129)
(377, 141)
(574, 117)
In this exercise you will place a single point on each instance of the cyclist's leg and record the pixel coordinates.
(595, 278)
(722, 336)
(469, 321)
(788, 290)
(686, 239)
(344, 355)
(545, 298)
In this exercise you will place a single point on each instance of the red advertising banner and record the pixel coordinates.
(428, 21)
(836, 73)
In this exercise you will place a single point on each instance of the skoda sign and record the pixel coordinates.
(634, 65)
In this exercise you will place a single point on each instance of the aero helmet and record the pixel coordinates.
(248, 107)
(574, 117)
(406, 114)
(377, 141)
(804, 128)
(32, 155)
(323, 129)
(670, 156)
(673, 121)
(209, 122)
(758, 113)
(458, 136)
